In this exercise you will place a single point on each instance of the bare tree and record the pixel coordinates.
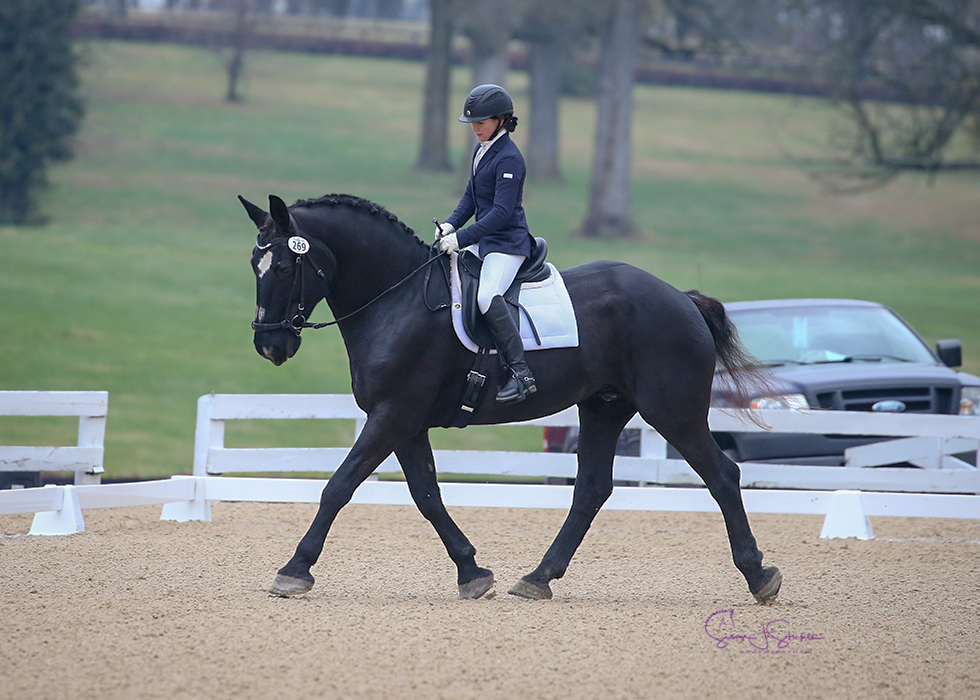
(609, 212)
(387, 9)
(238, 44)
(544, 93)
(906, 75)
(488, 26)
(434, 145)
(117, 8)
(550, 36)
(334, 8)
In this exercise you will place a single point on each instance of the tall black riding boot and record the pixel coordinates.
(507, 336)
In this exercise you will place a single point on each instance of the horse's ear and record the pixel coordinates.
(257, 216)
(280, 214)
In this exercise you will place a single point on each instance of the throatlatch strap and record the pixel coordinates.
(475, 382)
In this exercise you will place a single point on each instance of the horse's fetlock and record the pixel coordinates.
(296, 571)
(748, 562)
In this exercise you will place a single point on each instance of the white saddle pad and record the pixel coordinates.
(548, 304)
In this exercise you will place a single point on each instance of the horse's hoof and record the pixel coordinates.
(288, 586)
(767, 594)
(475, 588)
(531, 591)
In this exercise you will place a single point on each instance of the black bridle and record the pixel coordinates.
(301, 246)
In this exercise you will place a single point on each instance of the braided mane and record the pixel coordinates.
(353, 202)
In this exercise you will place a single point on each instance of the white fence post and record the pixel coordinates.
(208, 435)
(91, 433)
(652, 446)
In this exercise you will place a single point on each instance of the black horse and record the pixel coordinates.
(644, 347)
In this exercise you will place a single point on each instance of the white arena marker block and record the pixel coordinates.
(846, 518)
(66, 521)
(198, 508)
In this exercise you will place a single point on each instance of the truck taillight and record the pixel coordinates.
(554, 438)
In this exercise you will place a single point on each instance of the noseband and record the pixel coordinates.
(301, 246)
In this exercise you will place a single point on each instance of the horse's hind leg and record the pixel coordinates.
(415, 457)
(721, 475)
(600, 423)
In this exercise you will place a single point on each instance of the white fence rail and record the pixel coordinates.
(930, 441)
(59, 508)
(85, 458)
(846, 496)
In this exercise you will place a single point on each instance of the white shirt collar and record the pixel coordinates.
(484, 145)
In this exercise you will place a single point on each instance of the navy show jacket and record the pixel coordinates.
(495, 194)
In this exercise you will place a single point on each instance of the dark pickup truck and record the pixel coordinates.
(836, 354)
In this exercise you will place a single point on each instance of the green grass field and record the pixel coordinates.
(140, 284)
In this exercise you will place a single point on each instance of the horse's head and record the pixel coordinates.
(292, 274)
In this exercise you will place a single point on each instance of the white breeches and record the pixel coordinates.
(499, 270)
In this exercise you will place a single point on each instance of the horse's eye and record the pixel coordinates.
(283, 271)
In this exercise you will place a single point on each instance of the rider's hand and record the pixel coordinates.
(448, 243)
(444, 229)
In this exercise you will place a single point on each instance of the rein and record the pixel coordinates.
(298, 322)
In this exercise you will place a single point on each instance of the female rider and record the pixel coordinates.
(494, 194)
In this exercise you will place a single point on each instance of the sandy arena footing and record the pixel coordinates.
(651, 607)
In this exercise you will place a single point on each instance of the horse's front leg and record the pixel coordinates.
(415, 457)
(372, 447)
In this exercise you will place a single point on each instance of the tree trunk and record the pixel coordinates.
(487, 25)
(16, 202)
(545, 88)
(434, 147)
(609, 213)
(239, 44)
(117, 8)
(489, 33)
(489, 66)
(388, 9)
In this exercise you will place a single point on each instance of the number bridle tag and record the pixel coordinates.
(298, 245)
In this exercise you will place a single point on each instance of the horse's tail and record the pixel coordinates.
(748, 378)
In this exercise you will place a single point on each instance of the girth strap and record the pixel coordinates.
(476, 382)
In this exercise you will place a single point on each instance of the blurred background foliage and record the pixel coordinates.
(139, 282)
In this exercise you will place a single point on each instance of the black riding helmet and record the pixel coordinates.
(486, 102)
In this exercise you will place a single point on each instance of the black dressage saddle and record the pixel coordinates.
(533, 269)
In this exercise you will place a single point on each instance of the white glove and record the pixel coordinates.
(444, 229)
(448, 243)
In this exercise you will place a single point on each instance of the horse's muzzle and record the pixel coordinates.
(277, 347)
